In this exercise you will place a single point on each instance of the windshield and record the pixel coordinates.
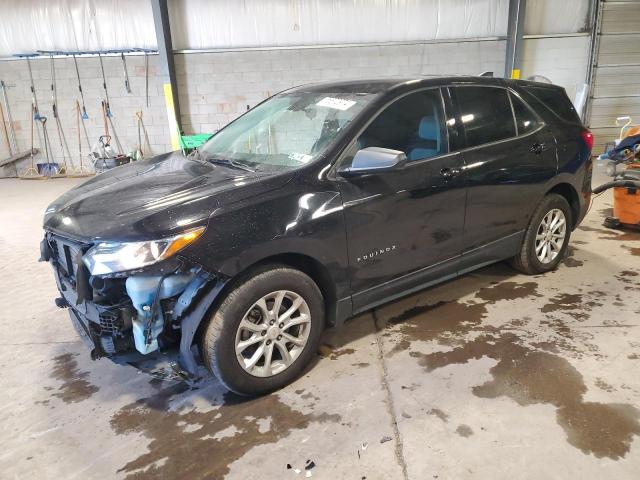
(286, 131)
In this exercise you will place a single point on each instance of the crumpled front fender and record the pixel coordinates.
(190, 323)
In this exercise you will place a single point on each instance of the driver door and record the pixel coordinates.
(404, 225)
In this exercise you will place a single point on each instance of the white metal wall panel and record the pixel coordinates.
(73, 25)
(616, 81)
(550, 17)
(210, 24)
(563, 60)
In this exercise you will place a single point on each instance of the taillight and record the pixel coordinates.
(587, 136)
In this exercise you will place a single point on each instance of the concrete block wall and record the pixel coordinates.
(123, 105)
(214, 88)
(563, 60)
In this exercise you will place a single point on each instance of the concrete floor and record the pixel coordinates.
(494, 375)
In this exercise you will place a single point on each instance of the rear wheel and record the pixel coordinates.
(547, 237)
(265, 331)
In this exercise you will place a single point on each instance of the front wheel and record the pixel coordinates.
(265, 331)
(547, 237)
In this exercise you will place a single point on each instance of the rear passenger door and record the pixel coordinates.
(509, 156)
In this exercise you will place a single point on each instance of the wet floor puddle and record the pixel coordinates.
(608, 234)
(531, 377)
(526, 372)
(186, 443)
(75, 387)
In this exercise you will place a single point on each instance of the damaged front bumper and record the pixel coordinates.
(131, 318)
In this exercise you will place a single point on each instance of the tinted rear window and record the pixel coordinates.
(486, 114)
(557, 101)
(526, 120)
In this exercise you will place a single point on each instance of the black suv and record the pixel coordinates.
(321, 202)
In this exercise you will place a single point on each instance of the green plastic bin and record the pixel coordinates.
(190, 142)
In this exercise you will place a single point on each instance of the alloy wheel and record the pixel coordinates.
(551, 236)
(273, 333)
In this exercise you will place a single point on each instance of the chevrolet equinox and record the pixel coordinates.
(321, 202)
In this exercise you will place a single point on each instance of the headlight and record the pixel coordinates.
(111, 257)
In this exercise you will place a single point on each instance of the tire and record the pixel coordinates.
(223, 331)
(527, 261)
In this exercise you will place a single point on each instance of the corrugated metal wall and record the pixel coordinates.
(616, 80)
(71, 25)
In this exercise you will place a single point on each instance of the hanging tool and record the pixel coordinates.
(107, 122)
(104, 119)
(4, 130)
(139, 122)
(49, 168)
(145, 149)
(32, 173)
(84, 116)
(36, 111)
(113, 130)
(9, 133)
(81, 170)
(34, 99)
(104, 86)
(53, 167)
(13, 146)
(146, 76)
(78, 115)
(64, 147)
(84, 128)
(115, 136)
(84, 110)
(127, 86)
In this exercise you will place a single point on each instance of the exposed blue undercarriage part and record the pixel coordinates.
(146, 292)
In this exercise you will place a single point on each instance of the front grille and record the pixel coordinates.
(67, 254)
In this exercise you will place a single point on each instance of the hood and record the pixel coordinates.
(153, 198)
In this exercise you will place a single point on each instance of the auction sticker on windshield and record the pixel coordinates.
(337, 103)
(300, 157)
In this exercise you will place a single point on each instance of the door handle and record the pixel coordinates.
(449, 173)
(538, 148)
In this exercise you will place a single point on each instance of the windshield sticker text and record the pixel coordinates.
(300, 157)
(337, 103)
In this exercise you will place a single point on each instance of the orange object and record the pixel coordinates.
(626, 203)
(635, 130)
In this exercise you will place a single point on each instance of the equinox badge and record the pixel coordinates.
(375, 253)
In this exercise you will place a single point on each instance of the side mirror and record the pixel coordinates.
(374, 160)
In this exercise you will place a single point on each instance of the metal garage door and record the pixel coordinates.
(616, 69)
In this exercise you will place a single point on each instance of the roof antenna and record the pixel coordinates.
(487, 74)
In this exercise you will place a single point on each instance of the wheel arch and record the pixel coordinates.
(570, 194)
(306, 264)
(219, 290)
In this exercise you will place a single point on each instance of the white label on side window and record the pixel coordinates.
(337, 103)
(300, 157)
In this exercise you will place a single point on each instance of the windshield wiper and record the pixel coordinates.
(195, 154)
(229, 162)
